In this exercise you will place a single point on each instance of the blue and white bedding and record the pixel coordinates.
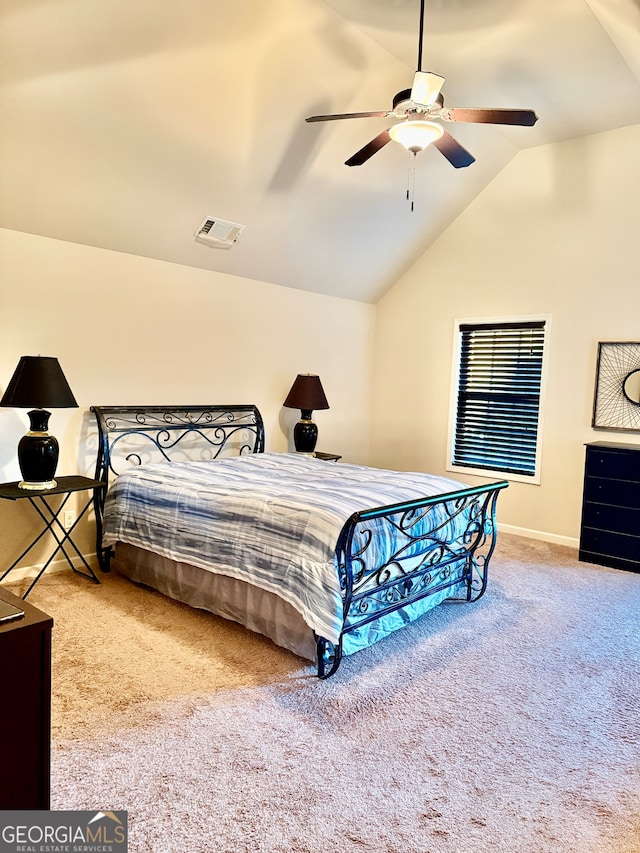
(270, 519)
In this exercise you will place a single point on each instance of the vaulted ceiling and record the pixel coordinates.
(126, 123)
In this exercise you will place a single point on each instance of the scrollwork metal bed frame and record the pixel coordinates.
(136, 435)
(388, 557)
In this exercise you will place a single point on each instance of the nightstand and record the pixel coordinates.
(50, 517)
(327, 457)
(25, 710)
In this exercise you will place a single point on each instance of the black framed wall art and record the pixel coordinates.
(616, 404)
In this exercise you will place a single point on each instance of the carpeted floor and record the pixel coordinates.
(508, 725)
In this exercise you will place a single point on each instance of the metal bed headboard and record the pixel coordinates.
(141, 435)
(129, 436)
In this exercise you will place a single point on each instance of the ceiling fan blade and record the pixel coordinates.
(525, 118)
(348, 115)
(453, 151)
(369, 149)
(426, 87)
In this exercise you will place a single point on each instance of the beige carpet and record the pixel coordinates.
(509, 725)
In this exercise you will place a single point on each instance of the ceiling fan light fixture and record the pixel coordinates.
(415, 136)
(425, 101)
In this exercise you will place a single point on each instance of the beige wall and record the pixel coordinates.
(131, 330)
(556, 232)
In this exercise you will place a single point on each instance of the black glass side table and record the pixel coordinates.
(50, 517)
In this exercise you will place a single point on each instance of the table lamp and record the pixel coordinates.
(38, 381)
(307, 395)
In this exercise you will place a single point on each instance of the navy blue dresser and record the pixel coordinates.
(610, 529)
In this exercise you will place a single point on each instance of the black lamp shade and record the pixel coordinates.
(38, 383)
(306, 394)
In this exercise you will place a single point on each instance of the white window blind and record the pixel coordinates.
(498, 401)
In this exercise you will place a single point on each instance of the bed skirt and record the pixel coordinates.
(257, 609)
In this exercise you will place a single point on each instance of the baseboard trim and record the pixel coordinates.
(553, 538)
(25, 572)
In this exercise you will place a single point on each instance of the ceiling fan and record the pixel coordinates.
(418, 109)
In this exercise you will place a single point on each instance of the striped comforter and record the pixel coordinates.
(271, 519)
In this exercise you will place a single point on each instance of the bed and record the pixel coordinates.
(324, 558)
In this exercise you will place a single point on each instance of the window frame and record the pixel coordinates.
(450, 465)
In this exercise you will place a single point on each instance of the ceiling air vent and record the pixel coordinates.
(218, 232)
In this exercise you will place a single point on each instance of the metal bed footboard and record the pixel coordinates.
(135, 435)
(393, 556)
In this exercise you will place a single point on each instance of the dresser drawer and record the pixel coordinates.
(617, 519)
(610, 544)
(614, 492)
(611, 562)
(616, 464)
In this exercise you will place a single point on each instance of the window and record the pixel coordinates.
(497, 397)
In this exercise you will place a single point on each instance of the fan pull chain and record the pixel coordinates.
(411, 178)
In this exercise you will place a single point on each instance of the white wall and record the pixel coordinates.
(556, 232)
(130, 330)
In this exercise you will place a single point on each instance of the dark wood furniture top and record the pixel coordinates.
(25, 709)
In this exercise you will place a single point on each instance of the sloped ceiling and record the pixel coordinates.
(127, 122)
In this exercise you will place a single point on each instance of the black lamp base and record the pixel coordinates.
(305, 434)
(38, 454)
